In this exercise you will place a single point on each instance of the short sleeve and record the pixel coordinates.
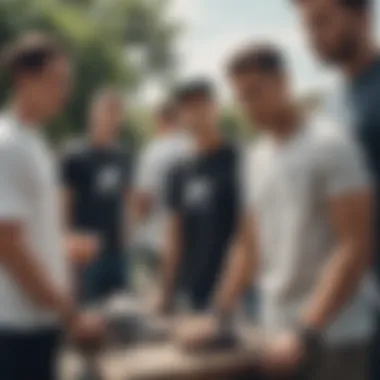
(146, 175)
(174, 189)
(342, 167)
(13, 183)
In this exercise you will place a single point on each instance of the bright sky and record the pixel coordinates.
(213, 28)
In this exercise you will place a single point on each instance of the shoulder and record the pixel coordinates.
(260, 150)
(331, 147)
(232, 155)
(233, 149)
(74, 149)
(327, 135)
(16, 153)
(167, 149)
(12, 142)
(153, 149)
(333, 98)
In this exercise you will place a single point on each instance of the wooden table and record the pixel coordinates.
(165, 361)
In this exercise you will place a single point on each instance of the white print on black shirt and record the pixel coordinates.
(198, 193)
(108, 179)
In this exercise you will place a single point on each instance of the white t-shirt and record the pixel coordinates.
(289, 186)
(29, 194)
(155, 163)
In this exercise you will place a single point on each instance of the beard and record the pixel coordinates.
(345, 51)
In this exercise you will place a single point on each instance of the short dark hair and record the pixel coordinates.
(194, 88)
(354, 5)
(30, 53)
(263, 58)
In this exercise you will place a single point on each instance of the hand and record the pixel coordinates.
(87, 329)
(197, 332)
(82, 248)
(160, 304)
(284, 355)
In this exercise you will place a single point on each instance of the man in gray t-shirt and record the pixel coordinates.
(342, 35)
(308, 223)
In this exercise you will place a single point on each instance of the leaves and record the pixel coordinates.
(104, 36)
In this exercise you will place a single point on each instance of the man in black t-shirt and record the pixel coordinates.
(96, 175)
(202, 199)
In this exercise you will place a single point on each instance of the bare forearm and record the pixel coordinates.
(36, 282)
(170, 265)
(338, 283)
(138, 211)
(237, 278)
(171, 256)
(240, 268)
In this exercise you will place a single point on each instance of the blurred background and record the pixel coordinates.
(144, 46)
(128, 43)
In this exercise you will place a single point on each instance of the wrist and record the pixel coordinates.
(311, 339)
(67, 312)
(224, 318)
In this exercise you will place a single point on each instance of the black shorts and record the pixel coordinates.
(28, 355)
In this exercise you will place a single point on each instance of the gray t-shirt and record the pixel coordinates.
(354, 104)
(290, 184)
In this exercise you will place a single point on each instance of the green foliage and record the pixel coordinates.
(235, 126)
(104, 36)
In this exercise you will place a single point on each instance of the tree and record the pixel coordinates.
(104, 37)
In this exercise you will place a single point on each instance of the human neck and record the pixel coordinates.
(27, 113)
(209, 142)
(166, 130)
(100, 141)
(288, 122)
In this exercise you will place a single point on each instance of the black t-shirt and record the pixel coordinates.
(99, 179)
(204, 192)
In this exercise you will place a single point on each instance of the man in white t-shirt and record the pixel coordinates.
(167, 149)
(308, 225)
(35, 301)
